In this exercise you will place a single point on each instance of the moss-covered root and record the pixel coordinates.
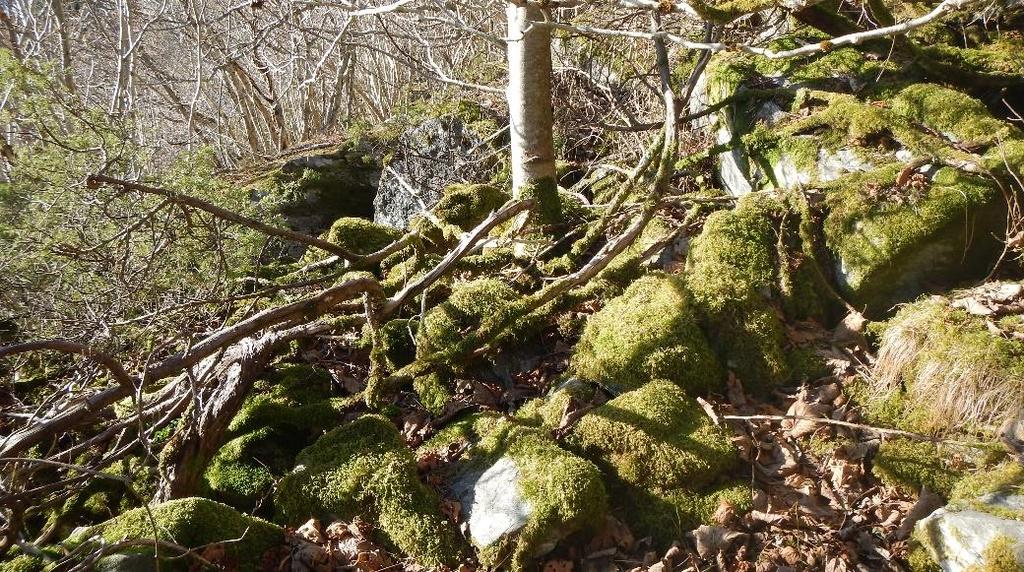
(192, 522)
(660, 448)
(648, 332)
(564, 493)
(364, 468)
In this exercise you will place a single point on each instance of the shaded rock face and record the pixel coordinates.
(324, 187)
(960, 540)
(428, 158)
(493, 504)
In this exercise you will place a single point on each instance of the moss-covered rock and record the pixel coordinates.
(548, 492)
(192, 522)
(649, 332)
(732, 272)
(890, 248)
(364, 468)
(357, 235)
(662, 452)
(288, 410)
(947, 368)
(312, 191)
(470, 302)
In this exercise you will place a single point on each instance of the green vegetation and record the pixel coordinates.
(363, 468)
(649, 332)
(659, 449)
(731, 271)
(192, 522)
(290, 408)
(913, 465)
(565, 492)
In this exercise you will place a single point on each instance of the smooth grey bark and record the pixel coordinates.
(529, 105)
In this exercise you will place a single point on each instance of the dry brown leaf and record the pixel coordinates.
(711, 540)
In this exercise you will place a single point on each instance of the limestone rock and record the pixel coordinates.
(961, 540)
(429, 157)
(492, 502)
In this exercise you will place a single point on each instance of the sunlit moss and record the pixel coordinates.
(647, 333)
(192, 522)
(565, 492)
(364, 468)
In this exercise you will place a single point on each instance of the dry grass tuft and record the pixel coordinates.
(955, 369)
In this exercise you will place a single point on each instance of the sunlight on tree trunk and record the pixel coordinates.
(530, 111)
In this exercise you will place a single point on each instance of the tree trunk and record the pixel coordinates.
(530, 111)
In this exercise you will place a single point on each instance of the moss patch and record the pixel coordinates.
(915, 464)
(732, 272)
(363, 468)
(193, 522)
(660, 449)
(288, 410)
(469, 304)
(648, 332)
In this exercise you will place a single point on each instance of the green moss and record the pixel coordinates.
(470, 302)
(649, 332)
(669, 516)
(466, 206)
(919, 560)
(434, 390)
(357, 235)
(22, 563)
(289, 408)
(363, 468)
(912, 465)
(732, 272)
(656, 438)
(547, 411)
(1006, 479)
(890, 251)
(548, 206)
(1000, 556)
(951, 112)
(193, 522)
(664, 457)
(565, 492)
(396, 346)
(945, 370)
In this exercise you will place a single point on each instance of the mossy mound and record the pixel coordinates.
(288, 410)
(736, 275)
(192, 522)
(360, 235)
(658, 446)
(890, 248)
(649, 332)
(466, 206)
(565, 493)
(363, 468)
(23, 563)
(469, 304)
(948, 368)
